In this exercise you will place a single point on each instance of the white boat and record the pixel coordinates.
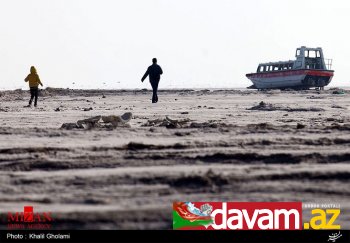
(310, 69)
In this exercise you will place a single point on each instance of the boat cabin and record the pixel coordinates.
(306, 58)
(275, 66)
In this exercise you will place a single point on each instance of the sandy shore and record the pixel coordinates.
(224, 146)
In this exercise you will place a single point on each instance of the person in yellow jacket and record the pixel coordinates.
(34, 81)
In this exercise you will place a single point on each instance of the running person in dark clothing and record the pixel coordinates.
(34, 81)
(154, 71)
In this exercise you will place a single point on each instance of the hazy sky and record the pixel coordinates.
(198, 43)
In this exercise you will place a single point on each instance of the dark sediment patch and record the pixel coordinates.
(262, 106)
(51, 166)
(142, 146)
(306, 175)
(209, 179)
(32, 150)
(249, 157)
(183, 182)
(182, 134)
(338, 107)
(278, 158)
(184, 157)
(29, 181)
(262, 126)
(184, 123)
(54, 164)
(209, 125)
(337, 126)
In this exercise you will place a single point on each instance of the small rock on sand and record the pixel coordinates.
(300, 126)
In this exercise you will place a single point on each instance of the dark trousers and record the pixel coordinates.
(154, 84)
(34, 95)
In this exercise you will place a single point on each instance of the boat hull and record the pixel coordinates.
(302, 78)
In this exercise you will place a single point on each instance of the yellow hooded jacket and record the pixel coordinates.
(33, 78)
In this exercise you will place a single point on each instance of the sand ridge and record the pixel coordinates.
(212, 145)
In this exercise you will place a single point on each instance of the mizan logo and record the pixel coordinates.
(29, 219)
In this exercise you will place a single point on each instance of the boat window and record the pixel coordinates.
(318, 54)
(310, 54)
(298, 52)
(260, 69)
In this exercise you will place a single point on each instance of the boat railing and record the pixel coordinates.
(328, 63)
